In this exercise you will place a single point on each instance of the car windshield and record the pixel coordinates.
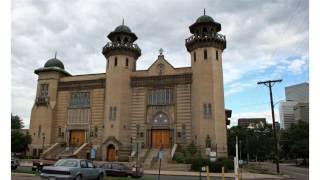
(67, 163)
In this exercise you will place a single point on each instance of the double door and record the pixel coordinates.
(160, 137)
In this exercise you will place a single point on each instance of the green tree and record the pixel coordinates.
(295, 141)
(254, 143)
(16, 122)
(19, 141)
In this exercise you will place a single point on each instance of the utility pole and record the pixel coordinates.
(269, 84)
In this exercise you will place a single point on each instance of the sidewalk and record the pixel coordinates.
(227, 175)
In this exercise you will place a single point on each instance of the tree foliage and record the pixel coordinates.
(19, 141)
(16, 122)
(295, 141)
(253, 144)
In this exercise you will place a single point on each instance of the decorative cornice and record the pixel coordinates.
(82, 85)
(166, 80)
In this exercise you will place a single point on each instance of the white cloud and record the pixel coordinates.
(296, 66)
(259, 33)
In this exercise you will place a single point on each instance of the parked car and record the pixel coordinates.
(120, 169)
(14, 163)
(38, 164)
(72, 169)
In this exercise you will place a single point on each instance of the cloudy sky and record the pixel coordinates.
(265, 40)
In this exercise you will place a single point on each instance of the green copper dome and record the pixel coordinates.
(204, 18)
(54, 62)
(123, 28)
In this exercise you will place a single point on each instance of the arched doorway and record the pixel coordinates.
(111, 153)
(160, 131)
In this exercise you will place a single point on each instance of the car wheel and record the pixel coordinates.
(100, 177)
(78, 177)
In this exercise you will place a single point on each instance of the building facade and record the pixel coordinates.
(251, 122)
(123, 107)
(296, 106)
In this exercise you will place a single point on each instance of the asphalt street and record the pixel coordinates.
(146, 177)
(299, 173)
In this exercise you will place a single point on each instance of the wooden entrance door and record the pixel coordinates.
(77, 137)
(111, 153)
(160, 136)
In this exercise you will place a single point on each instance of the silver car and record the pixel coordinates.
(72, 169)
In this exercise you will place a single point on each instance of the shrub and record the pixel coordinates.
(213, 166)
(179, 157)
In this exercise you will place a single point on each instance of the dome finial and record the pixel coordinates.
(204, 11)
(55, 54)
(122, 21)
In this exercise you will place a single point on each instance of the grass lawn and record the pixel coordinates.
(122, 178)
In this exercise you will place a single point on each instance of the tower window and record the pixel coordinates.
(39, 130)
(127, 62)
(119, 40)
(205, 54)
(217, 55)
(115, 61)
(207, 111)
(44, 90)
(112, 113)
(194, 57)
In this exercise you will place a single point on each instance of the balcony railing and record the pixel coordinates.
(206, 37)
(114, 45)
(42, 101)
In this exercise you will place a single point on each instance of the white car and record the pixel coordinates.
(72, 169)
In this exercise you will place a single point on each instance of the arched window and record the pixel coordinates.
(115, 61)
(39, 130)
(217, 55)
(205, 54)
(119, 39)
(127, 62)
(160, 119)
(194, 57)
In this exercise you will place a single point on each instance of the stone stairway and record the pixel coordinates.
(53, 151)
(152, 162)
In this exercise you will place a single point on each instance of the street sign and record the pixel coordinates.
(93, 153)
(203, 168)
(160, 155)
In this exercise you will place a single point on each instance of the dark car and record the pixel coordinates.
(120, 169)
(72, 169)
(14, 163)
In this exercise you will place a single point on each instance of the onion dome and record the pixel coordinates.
(204, 19)
(54, 62)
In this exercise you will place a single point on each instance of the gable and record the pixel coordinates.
(161, 67)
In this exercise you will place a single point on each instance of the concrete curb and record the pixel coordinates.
(23, 174)
(227, 175)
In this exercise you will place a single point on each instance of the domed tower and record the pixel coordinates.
(121, 54)
(208, 113)
(42, 114)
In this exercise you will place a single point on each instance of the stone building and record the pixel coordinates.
(114, 111)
